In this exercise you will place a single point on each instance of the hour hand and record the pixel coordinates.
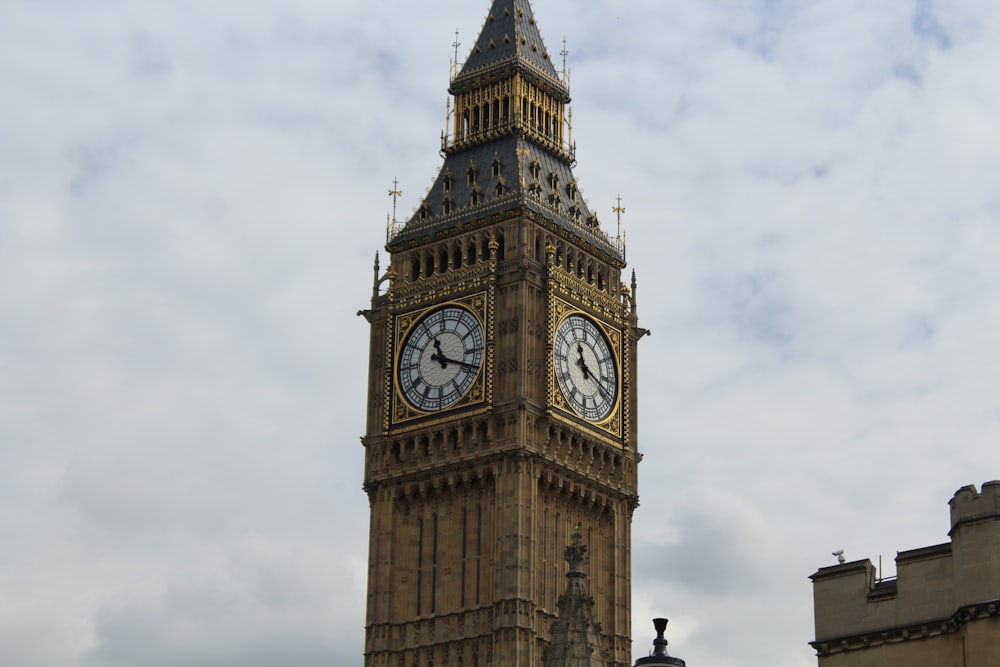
(438, 356)
(582, 364)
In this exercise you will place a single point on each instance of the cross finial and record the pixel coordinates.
(619, 210)
(395, 193)
(454, 63)
(564, 53)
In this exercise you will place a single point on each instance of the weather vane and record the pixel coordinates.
(564, 53)
(619, 210)
(454, 63)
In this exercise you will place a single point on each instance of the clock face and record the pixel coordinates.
(585, 366)
(441, 358)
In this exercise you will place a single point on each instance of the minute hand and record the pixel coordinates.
(605, 391)
(460, 363)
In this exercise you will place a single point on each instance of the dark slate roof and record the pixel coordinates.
(509, 36)
(517, 157)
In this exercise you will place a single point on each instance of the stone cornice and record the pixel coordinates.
(909, 632)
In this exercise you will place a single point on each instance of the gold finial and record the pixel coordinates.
(521, 152)
(447, 122)
(619, 210)
(635, 289)
(569, 127)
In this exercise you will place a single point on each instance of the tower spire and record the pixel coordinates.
(510, 37)
(508, 140)
(575, 633)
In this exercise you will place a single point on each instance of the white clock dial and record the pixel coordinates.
(585, 367)
(441, 358)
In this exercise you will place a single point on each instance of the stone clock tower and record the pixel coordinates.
(502, 385)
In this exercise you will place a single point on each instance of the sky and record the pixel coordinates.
(191, 198)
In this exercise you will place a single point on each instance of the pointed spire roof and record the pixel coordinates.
(500, 157)
(510, 39)
(576, 636)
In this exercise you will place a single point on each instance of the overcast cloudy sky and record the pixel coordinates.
(191, 196)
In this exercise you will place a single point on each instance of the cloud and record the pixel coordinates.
(720, 547)
(191, 196)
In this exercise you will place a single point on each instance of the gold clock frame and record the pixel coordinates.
(614, 422)
(400, 410)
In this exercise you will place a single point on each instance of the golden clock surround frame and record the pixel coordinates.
(613, 424)
(400, 412)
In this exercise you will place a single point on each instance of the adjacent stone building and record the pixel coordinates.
(942, 609)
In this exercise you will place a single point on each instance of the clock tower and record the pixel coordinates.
(501, 423)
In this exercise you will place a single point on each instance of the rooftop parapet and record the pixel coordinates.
(939, 591)
(970, 506)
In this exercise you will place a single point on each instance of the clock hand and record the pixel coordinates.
(444, 361)
(582, 364)
(590, 375)
(605, 392)
(437, 356)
